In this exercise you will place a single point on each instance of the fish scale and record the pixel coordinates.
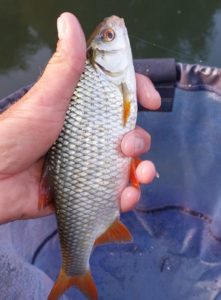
(87, 167)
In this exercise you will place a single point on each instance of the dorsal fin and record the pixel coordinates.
(45, 188)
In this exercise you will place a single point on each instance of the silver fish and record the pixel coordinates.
(86, 167)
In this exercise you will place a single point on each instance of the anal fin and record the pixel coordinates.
(84, 283)
(117, 232)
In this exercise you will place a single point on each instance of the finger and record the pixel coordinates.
(129, 198)
(30, 127)
(146, 172)
(147, 94)
(136, 142)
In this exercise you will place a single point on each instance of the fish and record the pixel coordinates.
(86, 169)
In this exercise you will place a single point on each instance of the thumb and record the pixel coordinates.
(30, 126)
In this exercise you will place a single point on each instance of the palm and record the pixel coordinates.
(20, 199)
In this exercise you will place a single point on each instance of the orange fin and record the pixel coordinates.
(45, 189)
(126, 103)
(84, 283)
(117, 232)
(133, 177)
(126, 112)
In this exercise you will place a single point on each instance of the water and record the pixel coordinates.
(188, 30)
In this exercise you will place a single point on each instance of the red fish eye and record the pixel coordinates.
(108, 35)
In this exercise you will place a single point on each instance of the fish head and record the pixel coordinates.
(109, 49)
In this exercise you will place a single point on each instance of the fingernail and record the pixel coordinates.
(157, 175)
(139, 145)
(148, 94)
(62, 28)
(151, 93)
(156, 94)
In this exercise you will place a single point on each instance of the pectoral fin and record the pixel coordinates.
(84, 283)
(117, 232)
(126, 112)
(126, 103)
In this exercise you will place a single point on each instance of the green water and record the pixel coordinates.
(188, 30)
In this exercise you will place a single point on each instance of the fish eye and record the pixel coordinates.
(108, 35)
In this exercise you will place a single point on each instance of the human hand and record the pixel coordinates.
(30, 126)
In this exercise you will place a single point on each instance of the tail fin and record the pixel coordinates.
(84, 283)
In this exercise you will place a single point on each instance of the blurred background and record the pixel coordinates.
(188, 30)
(177, 225)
